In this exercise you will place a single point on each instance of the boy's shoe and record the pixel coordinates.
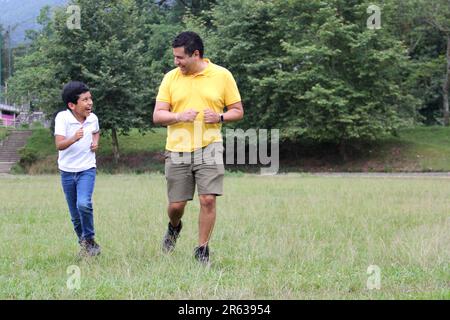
(89, 248)
(170, 238)
(201, 254)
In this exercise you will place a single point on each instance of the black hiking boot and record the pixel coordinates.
(201, 254)
(170, 238)
(89, 248)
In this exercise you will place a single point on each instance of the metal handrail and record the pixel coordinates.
(9, 123)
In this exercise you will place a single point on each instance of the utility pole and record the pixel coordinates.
(1, 57)
(9, 53)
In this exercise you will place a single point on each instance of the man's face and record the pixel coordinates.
(83, 108)
(185, 62)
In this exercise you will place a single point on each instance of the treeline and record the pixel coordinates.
(313, 69)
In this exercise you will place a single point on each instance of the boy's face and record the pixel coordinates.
(83, 108)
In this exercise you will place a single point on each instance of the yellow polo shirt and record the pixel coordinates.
(214, 88)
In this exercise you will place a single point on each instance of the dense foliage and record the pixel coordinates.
(310, 68)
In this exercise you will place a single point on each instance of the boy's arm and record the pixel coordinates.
(95, 140)
(63, 143)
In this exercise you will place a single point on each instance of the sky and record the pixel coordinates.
(21, 15)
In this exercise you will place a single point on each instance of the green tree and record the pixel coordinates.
(2, 45)
(36, 77)
(411, 22)
(179, 8)
(117, 52)
(314, 69)
(242, 39)
(1, 54)
(343, 81)
(105, 53)
(437, 14)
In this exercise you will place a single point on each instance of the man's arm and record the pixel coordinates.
(163, 116)
(235, 112)
(62, 143)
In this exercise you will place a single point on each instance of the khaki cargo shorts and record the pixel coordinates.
(203, 167)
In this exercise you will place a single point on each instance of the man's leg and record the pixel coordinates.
(209, 178)
(175, 212)
(180, 189)
(207, 218)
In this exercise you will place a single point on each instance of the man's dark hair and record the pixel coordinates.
(190, 41)
(72, 91)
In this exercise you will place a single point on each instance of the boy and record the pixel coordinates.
(77, 135)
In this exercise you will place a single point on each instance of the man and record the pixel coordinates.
(191, 101)
(77, 135)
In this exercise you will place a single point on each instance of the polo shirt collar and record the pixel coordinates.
(207, 70)
(72, 118)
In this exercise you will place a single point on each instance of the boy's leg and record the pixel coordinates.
(85, 189)
(70, 191)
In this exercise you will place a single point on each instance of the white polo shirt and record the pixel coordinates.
(78, 157)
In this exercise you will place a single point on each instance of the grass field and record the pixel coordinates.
(426, 148)
(283, 237)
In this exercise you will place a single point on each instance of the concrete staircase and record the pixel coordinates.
(9, 149)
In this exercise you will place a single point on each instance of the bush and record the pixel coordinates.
(3, 133)
(27, 157)
(37, 125)
(47, 165)
(17, 169)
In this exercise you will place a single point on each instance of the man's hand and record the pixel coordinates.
(78, 135)
(187, 116)
(211, 116)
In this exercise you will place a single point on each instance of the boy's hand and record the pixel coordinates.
(211, 116)
(78, 135)
(94, 146)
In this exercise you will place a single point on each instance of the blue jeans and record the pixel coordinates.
(78, 188)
